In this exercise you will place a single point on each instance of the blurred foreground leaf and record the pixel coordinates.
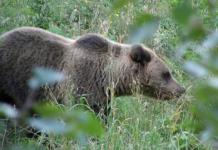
(72, 123)
(24, 147)
(43, 76)
(195, 69)
(145, 25)
(49, 125)
(8, 110)
(196, 29)
(185, 15)
(183, 12)
(206, 106)
(210, 42)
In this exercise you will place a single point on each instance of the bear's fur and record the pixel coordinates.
(93, 66)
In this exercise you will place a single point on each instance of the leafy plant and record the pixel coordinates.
(51, 118)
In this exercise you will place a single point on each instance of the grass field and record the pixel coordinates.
(136, 122)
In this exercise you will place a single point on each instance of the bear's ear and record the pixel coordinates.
(139, 54)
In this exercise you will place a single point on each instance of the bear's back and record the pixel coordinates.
(25, 33)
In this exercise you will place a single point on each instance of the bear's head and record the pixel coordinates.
(153, 76)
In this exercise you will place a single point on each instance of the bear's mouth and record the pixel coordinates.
(160, 93)
(166, 95)
(163, 94)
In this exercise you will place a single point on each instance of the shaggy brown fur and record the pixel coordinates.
(92, 64)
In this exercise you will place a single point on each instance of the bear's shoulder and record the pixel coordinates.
(93, 42)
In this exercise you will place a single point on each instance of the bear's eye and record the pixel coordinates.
(166, 76)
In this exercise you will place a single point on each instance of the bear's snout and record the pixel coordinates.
(180, 91)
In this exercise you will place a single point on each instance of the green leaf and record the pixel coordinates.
(49, 110)
(84, 122)
(191, 55)
(183, 12)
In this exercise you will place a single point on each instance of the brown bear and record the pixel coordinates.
(94, 67)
